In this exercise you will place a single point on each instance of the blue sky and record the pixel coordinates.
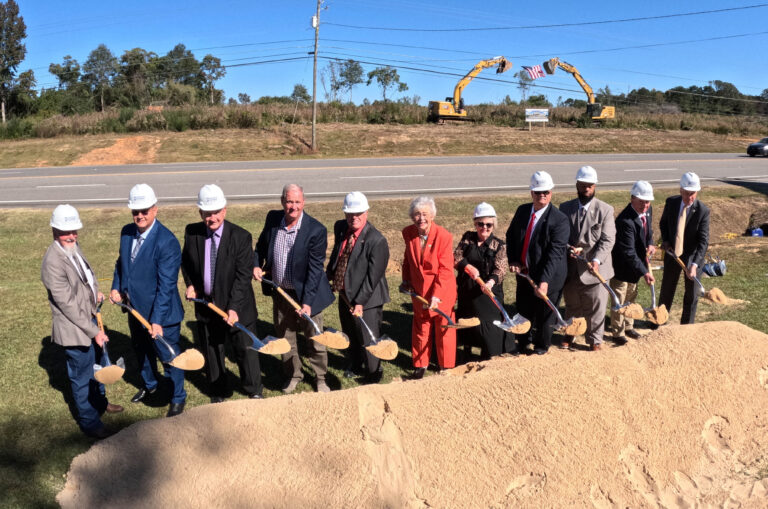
(239, 31)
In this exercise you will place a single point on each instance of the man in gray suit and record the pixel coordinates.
(73, 292)
(593, 234)
(357, 270)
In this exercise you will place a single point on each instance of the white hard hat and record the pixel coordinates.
(211, 198)
(66, 218)
(690, 182)
(643, 190)
(141, 197)
(485, 210)
(541, 181)
(586, 174)
(355, 203)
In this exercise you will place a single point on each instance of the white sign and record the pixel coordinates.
(536, 115)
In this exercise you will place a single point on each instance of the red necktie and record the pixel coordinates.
(645, 226)
(527, 240)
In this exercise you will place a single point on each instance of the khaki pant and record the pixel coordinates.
(288, 325)
(626, 292)
(588, 302)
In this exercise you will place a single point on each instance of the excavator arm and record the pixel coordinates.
(503, 65)
(594, 110)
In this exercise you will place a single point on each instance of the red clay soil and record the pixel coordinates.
(676, 419)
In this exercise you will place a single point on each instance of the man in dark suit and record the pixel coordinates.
(634, 241)
(291, 247)
(217, 263)
(689, 243)
(536, 241)
(357, 270)
(147, 272)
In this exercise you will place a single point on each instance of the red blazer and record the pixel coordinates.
(431, 272)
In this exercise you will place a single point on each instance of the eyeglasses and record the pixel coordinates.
(480, 224)
(142, 212)
(539, 193)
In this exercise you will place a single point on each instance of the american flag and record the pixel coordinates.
(534, 72)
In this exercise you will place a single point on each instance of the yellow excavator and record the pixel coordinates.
(595, 111)
(453, 107)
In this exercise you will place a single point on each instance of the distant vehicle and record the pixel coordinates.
(759, 148)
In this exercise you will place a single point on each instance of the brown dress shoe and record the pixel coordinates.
(114, 409)
(595, 348)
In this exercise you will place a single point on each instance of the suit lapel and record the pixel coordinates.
(357, 249)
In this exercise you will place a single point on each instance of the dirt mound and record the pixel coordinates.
(676, 419)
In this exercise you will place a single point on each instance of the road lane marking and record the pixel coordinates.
(381, 177)
(71, 185)
(654, 169)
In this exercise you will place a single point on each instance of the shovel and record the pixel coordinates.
(628, 309)
(572, 327)
(270, 345)
(715, 295)
(653, 314)
(516, 325)
(109, 373)
(463, 323)
(330, 338)
(189, 360)
(384, 347)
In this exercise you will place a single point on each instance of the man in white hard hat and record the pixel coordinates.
(217, 261)
(684, 229)
(593, 233)
(357, 271)
(146, 274)
(73, 293)
(633, 247)
(537, 239)
(291, 247)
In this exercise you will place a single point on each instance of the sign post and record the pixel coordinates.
(536, 115)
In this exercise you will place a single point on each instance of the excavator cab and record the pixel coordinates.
(595, 111)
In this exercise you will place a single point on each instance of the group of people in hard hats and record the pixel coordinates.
(552, 252)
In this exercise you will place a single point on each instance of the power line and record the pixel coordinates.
(558, 25)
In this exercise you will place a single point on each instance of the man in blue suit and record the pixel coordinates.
(146, 274)
(291, 248)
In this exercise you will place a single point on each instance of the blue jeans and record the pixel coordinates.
(88, 394)
(148, 351)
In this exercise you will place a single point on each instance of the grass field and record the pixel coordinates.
(39, 438)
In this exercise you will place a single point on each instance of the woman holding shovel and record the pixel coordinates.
(482, 254)
(428, 273)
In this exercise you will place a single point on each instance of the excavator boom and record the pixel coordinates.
(594, 110)
(503, 66)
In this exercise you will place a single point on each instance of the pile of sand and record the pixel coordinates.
(676, 419)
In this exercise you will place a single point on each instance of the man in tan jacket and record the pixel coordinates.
(593, 233)
(73, 293)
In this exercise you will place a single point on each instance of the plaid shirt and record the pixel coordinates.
(282, 268)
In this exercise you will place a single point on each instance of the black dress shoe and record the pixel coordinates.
(139, 396)
(217, 399)
(175, 409)
(101, 433)
(632, 333)
(418, 374)
(373, 378)
(255, 396)
(540, 351)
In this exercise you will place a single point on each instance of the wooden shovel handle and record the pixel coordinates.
(289, 299)
(141, 319)
(218, 310)
(421, 299)
(99, 321)
(677, 258)
(484, 288)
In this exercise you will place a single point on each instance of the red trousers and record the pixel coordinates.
(421, 340)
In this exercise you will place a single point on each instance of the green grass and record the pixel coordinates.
(39, 438)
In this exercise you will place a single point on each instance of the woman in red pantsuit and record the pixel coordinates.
(428, 271)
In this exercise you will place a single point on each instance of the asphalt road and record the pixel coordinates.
(327, 179)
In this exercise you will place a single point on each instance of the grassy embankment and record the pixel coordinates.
(38, 437)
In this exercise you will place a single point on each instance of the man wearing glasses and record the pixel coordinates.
(593, 233)
(536, 241)
(146, 274)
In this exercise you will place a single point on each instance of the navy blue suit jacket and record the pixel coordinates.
(309, 279)
(151, 281)
(631, 245)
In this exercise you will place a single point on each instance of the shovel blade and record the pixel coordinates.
(189, 360)
(517, 325)
(275, 346)
(332, 339)
(572, 327)
(384, 348)
(109, 374)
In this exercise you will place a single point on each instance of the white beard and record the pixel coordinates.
(69, 247)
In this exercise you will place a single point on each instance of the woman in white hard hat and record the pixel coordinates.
(482, 254)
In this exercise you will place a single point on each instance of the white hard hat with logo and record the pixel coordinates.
(141, 197)
(586, 174)
(690, 182)
(484, 210)
(355, 203)
(66, 218)
(541, 181)
(211, 198)
(642, 190)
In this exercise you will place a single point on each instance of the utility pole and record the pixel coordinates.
(316, 26)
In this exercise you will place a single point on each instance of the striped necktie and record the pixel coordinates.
(135, 252)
